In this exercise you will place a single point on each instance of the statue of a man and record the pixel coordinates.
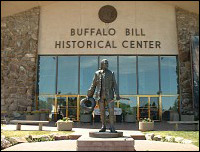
(105, 85)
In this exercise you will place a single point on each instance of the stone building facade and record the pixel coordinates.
(187, 26)
(19, 47)
(19, 43)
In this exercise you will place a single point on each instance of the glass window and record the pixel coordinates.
(148, 75)
(47, 102)
(154, 108)
(143, 102)
(127, 75)
(129, 106)
(112, 63)
(88, 67)
(72, 108)
(169, 106)
(143, 107)
(131, 103)
(47, 75)
(61, 107)
(68, 75)
(170, 103)
(169, 75)
(154, 102)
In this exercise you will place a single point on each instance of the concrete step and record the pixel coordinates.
(105, 144)
(74, 137)
(138, 136)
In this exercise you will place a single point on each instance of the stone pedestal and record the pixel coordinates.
(105, 134)
(105, 144)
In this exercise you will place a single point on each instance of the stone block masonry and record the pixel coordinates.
(105, 144)
(19, 44)
(187, 26)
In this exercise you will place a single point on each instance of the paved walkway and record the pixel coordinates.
(82, 129)
(62, 145)
(158, 126)
(70, 145)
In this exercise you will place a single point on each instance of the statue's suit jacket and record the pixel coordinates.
(110, 85)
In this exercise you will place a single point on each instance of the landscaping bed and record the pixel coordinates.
(174, 136)
(10, 138)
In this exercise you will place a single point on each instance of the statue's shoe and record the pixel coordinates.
(112, 130)
(102, 130)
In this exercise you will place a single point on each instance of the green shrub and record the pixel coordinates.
(146, 120)
(65, 119)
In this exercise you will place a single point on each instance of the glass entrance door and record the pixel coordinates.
(61, 107)
(154, 108)
(67, 106)
(143, 108)
(148, 107)
(72, 108)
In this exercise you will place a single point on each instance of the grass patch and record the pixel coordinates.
(24, 133)
(3, 125)
(191, 135)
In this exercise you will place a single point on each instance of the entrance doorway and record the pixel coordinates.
(149, 107)
(67, 106)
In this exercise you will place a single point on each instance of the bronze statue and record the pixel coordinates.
(105, 84)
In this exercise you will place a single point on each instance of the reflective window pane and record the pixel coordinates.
(130, 103)
(148, 75)
(72, 108)
(169, 75)
(143, 102)
(61, 107)
(143, 107)
(154, 102)
(68, 75)
(47, 75)
(170, 103)
(129, 106)
(169, 106)
(127, 75)
(154, 108)
(47, 102)
(88, 67)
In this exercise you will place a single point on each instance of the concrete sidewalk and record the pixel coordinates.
(62, 145)
(70, 145)
(159, 126)
(146, 145)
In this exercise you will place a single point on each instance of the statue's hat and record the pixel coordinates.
(88, 104)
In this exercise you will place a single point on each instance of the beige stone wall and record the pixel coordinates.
(19, 46)
(187, 26)
(157, 20)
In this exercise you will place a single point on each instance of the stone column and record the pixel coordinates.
(19, 45)
(187, 26)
